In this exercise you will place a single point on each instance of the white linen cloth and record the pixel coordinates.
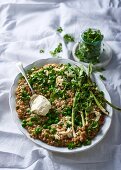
(25, 28)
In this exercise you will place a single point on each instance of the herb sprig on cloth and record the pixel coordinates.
(57, 50)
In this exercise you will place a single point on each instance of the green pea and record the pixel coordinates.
(23, 124)
(87, 142)
(24, 121)
(49, 122)
(29, 123)
(45, 126)
(56, 120)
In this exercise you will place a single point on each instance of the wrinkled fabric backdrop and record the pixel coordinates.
(25, 28)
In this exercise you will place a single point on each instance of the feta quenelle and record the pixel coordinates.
(40, 105)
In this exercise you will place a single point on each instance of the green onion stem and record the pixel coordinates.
(73, 114)
(98, 104)
(86, 117)
(115, 107)
(89, 81)
(82, 116)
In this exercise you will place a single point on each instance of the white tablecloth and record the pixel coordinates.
(25, 28)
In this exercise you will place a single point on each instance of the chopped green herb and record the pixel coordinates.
(41, 51)
(38, 130)
(87, 142)
(29, 123)
(34, 119)
(68, 38)
(53, 130)
(25, 95)
(24, 123)
(71, 145)
(102, 77)
(45, 126)
(57, 50)
(59, 29)
(98, 69)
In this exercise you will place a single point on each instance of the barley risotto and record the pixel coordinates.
(75, 116)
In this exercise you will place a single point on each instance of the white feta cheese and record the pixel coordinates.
(40, 105)
(98, 114)
(57, 136)
(59, 81)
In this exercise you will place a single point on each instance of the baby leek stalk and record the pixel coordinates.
(73, 112)
(73, 115)
(82, 116)
(115, 107)
(97, 102)
(86, 117)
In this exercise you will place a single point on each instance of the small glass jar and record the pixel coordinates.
(89, 49)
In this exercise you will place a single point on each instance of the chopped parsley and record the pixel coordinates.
(68, 38)
(102, 77)
(25, 95)
(59, 29)
(87, 142)
(71, 145)
(41, 51)
(57, 50)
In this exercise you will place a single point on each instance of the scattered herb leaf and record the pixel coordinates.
(71, 145)
(98, 69)
(57, 50)
(59, 29)
(87, 142)
(68, 38)
(102, 77)
(41, 51)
